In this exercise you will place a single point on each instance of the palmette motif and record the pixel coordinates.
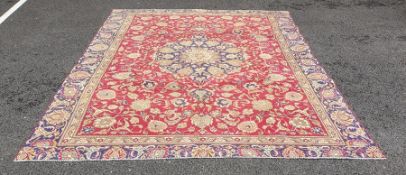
(198, 83)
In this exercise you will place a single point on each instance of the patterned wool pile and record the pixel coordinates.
(164, 84)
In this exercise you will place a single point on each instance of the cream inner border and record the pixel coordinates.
(69, 138)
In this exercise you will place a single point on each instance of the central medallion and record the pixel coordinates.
(200, 55)
(200, 58)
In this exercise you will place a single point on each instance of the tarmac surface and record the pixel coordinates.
(361, 44)
(6, 4)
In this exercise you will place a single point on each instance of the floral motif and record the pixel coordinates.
(262, 105)
(342, 117)
(149, 84)
(299, 123)
(69, 154)
(293, 152)
(158, 153)
(104, 122)
(121, 76)
(228, 88)
(173, 86)
(203, 151)
(157, 126)
(201, 94)
(374, 152)
(293, 96)
(248, 126)
(271, 120)
(276, 77)
(56, 117)
(179, 102)
(106, 94)
(222, 102)
(26, 153)
(115, 153)
(201, 121)
(249, 152)
(251, 86)
(69, 92)
(140, 105)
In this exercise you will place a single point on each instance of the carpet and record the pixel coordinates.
(165, 84)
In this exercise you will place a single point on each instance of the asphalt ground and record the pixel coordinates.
(6, 4)
(361, 44)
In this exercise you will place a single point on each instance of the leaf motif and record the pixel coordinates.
(182, 125)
